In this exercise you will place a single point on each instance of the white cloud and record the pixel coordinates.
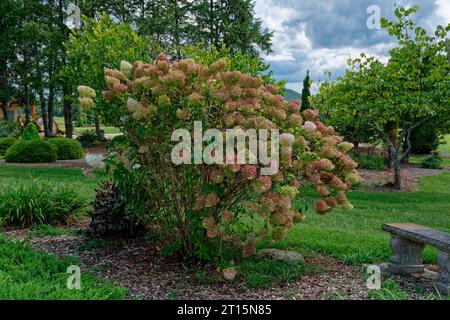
(321, 36)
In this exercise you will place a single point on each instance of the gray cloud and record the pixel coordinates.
(322, 35)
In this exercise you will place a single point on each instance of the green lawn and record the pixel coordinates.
(445, 147)
(78, 130)
(417, 159)
(27, 274)
(353, 236)
(356, 236)
(72, 176)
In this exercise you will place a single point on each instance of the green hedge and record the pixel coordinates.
(31, 151)
(5, 144)
(67, 148)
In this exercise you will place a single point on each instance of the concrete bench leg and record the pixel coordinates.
(407, 256)
(443, 284)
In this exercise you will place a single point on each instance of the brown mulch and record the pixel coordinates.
(382, 180)
(100, 149)
(138, 266)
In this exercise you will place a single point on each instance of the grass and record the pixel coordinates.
(391, 290)
(73, 177)
(77, 130)
(356, 236)
(417, 159)
(353, 236)
(26, 274)
(446, 146)
(44, 230)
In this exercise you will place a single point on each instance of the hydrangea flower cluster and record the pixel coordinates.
(149, 101)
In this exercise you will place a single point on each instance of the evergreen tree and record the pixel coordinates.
(306, 94)
(233, 23)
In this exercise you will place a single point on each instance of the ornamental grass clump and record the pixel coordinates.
(198, 208)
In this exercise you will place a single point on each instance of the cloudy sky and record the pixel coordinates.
(322, 35)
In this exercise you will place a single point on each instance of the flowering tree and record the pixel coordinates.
(196, 208)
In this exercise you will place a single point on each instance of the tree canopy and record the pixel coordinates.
(391, 100)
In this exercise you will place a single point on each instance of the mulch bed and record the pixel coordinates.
(138, 266)
(380, 180)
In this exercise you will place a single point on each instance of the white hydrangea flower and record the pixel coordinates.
(287, 139)
(309, 126)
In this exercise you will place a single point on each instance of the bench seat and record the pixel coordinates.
(407, 243)
(421, 234)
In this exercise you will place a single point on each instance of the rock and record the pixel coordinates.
(229, 273)
(280, 255)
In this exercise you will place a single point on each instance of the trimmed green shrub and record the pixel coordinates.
(9, 129)
(31, 151)
(87, 138)
(38, 202)
(434, 161)
(5, 144)
(67, 148)
(30, 132)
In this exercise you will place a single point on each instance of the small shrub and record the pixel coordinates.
(5, 144)
(369, 162)
(9, 129)
(434, 161)
(30, 132)
(87, 138)
(67, 148)
(110, 216)
(31, 151)
(38, 202)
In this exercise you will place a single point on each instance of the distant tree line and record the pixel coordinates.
(35, 41)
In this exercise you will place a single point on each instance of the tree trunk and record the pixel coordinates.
(68, 118)
(44, 113)
(3, 105)
(98, 131)
(397, 175)
(50, 105)
(27, 106)
(391, 131)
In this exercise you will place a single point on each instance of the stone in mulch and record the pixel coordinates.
(280, 255)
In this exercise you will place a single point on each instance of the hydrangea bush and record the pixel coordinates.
(196, 209)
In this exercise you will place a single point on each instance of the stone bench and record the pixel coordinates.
(407, 244)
